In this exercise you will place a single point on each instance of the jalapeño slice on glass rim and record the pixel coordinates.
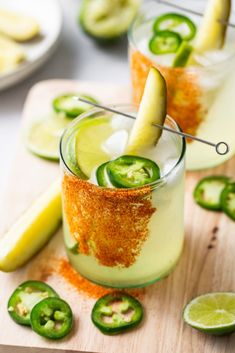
(25, 297)
(52, 318)
(208, 191)
(176, 22)
(116, 313)
(102, 176)
(164, 42)
(132, 171)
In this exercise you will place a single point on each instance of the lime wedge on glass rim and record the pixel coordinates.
(43, 136)
(84, 150)
(212, 313)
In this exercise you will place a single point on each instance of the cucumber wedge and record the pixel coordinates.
(212, 31)
(32, 230)
(152, 110)
(17, 26)
(106, 20)
(182, 55)
(11, 54)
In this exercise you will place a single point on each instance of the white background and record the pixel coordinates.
(77, 57)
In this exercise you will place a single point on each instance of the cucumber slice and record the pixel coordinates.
(32, 230)
(107, 20)
(11, 54)
(212, 31)
(17, 26)
(152, 110)
(182, 55)
(71, 107)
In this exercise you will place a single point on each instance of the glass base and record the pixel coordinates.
(119, 286)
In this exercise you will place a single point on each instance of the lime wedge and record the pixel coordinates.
(32, 230)
(89, 139)
(152, 110)
(212, 313)
(43, 136)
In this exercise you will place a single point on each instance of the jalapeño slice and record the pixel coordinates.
(164, 42)
(71, 107)
(208, 191)
(228, 200)
(132, 171)
(177, 23)
(52, 318)
(25, 297)
(102, 176)
(117, 312)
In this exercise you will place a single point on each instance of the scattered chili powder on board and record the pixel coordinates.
(183, 92)
(86, 287)
(109, 224)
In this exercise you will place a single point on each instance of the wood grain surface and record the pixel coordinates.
(207, 263)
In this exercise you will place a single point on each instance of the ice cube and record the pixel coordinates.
(116, 143)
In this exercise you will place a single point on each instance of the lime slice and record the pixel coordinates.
(89, 139)
(32, 230)
(43, 136)
(152, 110)
(212, 313)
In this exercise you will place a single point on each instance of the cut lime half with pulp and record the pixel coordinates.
(212, 313)
(43, 136)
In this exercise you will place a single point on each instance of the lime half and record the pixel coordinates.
(43, 136)
(212, 313)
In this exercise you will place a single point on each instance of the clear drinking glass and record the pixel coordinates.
(121, 237)
(200, 98)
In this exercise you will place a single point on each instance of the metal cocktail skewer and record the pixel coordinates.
(193, 12)
(216, 145)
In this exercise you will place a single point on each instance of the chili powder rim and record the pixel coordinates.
(133, 44)
(158, 183)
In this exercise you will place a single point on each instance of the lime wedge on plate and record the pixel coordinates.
(89, 138)
(212, 313)
(32, 230)
(43, 136)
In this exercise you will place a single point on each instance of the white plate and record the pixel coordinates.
(48, 14)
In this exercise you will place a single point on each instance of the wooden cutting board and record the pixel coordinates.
(207, 263)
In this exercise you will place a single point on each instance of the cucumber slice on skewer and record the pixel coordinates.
(152, 110)
(212, 31)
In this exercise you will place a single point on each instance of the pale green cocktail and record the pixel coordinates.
(121, 237)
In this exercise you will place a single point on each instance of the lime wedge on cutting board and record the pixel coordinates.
(152, 110)
(212, 313)
(32, 230)
(43, 136)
